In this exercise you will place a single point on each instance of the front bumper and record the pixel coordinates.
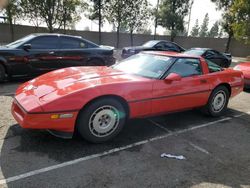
(42, 120)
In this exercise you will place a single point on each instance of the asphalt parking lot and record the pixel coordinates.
(217, 152)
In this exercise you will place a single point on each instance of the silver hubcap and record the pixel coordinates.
(219, 101)
(104, 121)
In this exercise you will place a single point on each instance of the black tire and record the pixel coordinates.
(102, 120)
(217, 102)
(2, 73)
(95, 62)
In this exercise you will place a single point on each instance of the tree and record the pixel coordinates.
(96, 13)
(116, 13)
(204, 27)
(30, 11)
(241, 26)
(70, 14)
(55, 13)
(12, 11)
(214, 31)
(172, 14)
(227, 18)
(195, 29)
(137, 17)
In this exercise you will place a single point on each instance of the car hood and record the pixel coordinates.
(67, 82)
(70, 80)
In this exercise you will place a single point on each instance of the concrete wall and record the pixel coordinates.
(236, 48)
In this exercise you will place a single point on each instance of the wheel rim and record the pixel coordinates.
(104, 121)
(219, 101)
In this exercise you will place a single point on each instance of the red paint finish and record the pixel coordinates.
(69, 90)
(245, 69)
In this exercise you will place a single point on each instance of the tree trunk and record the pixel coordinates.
(12, 31)
(156, 19)
(118, 36)
(228, 43)
(100, 21)
(131, 38)
(10, 20)
(172, 36)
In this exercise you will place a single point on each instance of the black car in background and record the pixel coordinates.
(36, 54)
(152, 45)
(221, 59)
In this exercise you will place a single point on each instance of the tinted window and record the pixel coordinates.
(71, 43)
(194, 52)
(160, 45)
(186, 67)
(47, 42)
(150, 43)
(170, 46)
(211, 53)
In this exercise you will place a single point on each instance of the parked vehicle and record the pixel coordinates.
(245, 69)
(221, 59)
(152, 45)
(36, 54)
(97, 101)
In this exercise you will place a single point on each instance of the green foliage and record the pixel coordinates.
(137, 15)
(115, 12)
(172, 14)
(214, 31)
(55, 13)
(241, 25)
(195, 29)
(204, 27)
(227, 18)
(12, 11)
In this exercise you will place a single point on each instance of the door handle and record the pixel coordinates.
(203, 81)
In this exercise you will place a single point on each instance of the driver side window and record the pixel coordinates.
(186, 67)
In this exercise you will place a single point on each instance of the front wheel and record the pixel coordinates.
(218, 101)
(102, 120)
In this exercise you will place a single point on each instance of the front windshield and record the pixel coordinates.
(150, 43)
(194, 52)
(146, 65)
(17, 43)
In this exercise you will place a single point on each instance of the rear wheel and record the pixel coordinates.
(102, 120)
(2, 73)
(218, 101)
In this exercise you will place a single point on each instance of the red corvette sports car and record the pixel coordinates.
(97, 101)
(245, 69)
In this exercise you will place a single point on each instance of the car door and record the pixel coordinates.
(42, 56)
(191, 91)
(73, 51)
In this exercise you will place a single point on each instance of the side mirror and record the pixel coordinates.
(173, 77)
(27, 47)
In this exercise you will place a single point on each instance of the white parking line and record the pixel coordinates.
(160, 126)
(72, 162)
(199, 148)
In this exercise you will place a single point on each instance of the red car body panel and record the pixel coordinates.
(67, 91)
(245, 69)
